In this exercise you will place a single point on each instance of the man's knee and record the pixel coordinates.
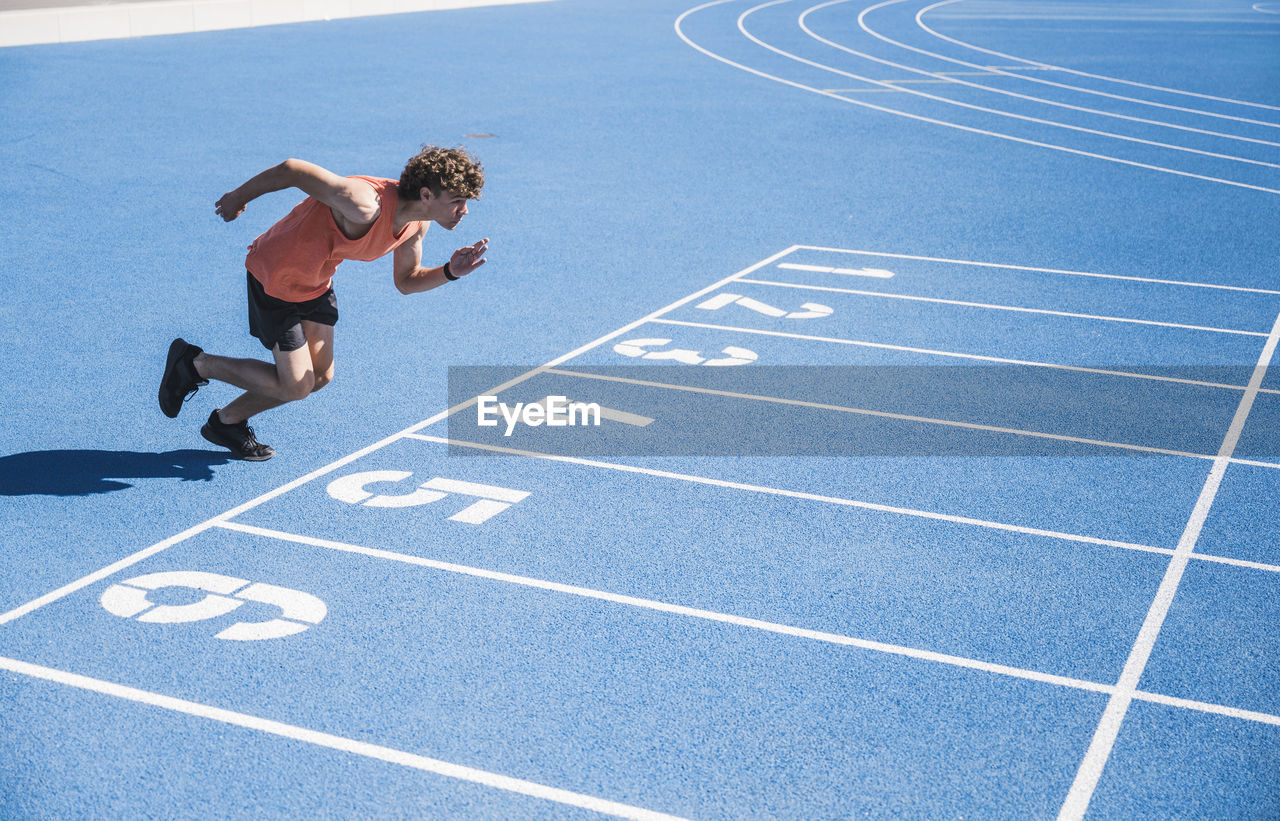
(321, 379)
(300, 389)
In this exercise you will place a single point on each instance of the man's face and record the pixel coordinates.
(446, 209)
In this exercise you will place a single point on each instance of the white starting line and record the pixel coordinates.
(878, 273)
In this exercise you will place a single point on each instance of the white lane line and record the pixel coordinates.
(984, 109)
(969, 129)
(682, 610)
(626, 417)
(612, 414)
(1032, 64)
(1245, 563)
(1256, 462)
(956, 355)
(1015, 308)
(1164, 551)
(796, 494)
(160, 546)
(941, 81)
(995, 71)
(1207, 707)
(901, 417)
(334, 742)
(947, 77)
(1091, 274)
(878, 273)
(1095, 759)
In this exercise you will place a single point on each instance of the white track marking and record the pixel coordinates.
(994, 307)
(613, 415)
(796, 494)
(1090, 274)
(626, 417)
(977, 357)
(1165, 551)
(722, 300)
(901, 417)
(682, 610)
(984, 109)
(1104, 737)
(878, 273)
(333, 742)
(969, 129)
(1257, 463)
(882, 647)
(1245, 563)
(1206, 707)
(992, 71)
(160, 546)
(1032, 64)
(233, 525)
(501, 494)
(948, 77)
(134, 558)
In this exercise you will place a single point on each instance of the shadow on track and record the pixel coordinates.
(84, 472)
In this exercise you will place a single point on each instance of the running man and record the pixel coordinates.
(292, 306)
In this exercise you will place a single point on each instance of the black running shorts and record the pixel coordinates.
(276, 322)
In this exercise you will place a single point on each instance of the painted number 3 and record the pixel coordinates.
(640, 348)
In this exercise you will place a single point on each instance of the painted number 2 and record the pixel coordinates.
(810, 310)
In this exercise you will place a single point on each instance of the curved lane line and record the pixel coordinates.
(680, 33)
(1005, 266)
(1006, 92)
(958, 103)
(920, 22)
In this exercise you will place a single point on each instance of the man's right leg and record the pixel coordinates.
(266, 387)
(320, 348)
(292, 377)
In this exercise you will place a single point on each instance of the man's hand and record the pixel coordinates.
(466, 260)
(230, 206)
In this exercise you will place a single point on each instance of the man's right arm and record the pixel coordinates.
(355, 200)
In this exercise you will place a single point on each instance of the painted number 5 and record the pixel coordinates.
(223, 594)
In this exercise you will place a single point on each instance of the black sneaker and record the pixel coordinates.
(239, 439)
(180, 381)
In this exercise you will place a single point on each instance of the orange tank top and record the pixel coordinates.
(295, 259)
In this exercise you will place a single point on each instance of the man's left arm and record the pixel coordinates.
(412, 278)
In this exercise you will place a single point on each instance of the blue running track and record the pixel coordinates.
(939, 441)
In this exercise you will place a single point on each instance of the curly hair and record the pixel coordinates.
(442, 169)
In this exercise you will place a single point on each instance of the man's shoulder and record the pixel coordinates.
(384, 191)
(376, 181)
